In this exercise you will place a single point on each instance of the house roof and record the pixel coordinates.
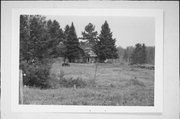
(87, 49)
(92, 54)
(89, 52)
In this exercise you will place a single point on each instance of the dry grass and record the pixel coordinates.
(114, 85)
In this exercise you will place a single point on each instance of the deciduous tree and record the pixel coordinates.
(139, 54)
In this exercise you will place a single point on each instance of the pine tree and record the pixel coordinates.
(38, 37)
(90, 35)
(55, 37)
(72, 44)
(62, 46)
(66, 31)
(105, 47)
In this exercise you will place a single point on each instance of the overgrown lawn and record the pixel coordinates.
(115, 84)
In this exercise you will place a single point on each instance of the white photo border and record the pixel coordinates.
(158, 82)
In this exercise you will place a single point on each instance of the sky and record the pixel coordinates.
(127, 31)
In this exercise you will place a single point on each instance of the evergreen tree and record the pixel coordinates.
(33, 38)
(66, 34)
(139, 54)
(25, 55)
(66, 31)
(72, 44)
(90, 35)
(144, 56)
(38, 37)
(136, 56)
(55, 37)
(62, 46)
(105, 47)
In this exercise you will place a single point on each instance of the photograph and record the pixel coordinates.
(90, 59)
(86, 60)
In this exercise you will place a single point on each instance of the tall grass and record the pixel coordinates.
(114, 85)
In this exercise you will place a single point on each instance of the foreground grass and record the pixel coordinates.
(89, 96)
(115, 85)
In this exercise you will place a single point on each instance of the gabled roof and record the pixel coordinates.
(89, 52)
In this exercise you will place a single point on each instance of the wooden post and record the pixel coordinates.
(95, 72)
(20, 87)
(94, 80)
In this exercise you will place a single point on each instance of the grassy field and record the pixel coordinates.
(115, 84)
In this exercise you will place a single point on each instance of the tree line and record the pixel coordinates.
(138, 54)
(40, 39)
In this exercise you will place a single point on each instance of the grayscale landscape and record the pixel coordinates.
(73, 60)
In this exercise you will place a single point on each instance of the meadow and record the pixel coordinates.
(115, 84)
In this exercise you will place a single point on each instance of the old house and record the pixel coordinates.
(90, 56)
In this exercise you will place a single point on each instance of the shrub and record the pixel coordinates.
(37, 75)
(53, 82)
(61, 75)
(91, 83)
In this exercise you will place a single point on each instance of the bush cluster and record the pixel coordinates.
(36, 74)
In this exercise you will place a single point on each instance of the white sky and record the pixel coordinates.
(127, 30)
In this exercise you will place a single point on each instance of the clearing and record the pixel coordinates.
(115, 84)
